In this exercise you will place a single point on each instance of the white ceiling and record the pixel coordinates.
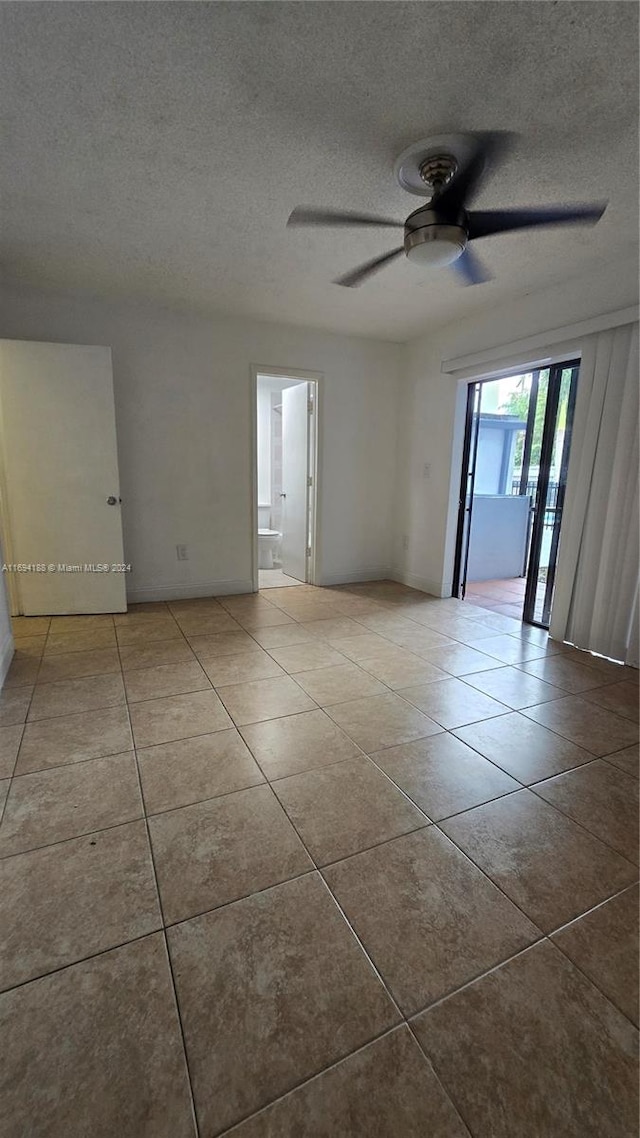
(157, 149)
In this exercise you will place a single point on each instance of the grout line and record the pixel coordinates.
(164, 930)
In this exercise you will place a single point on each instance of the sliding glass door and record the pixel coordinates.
(514, 472)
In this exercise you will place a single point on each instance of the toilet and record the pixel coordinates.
(268, 540)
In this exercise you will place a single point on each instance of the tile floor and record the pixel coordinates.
(503, 596)
(314, 864)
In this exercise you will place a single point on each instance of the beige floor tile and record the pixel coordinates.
(584, 723)
(382, 721)
(335, 685)
(452, 703)
(23, 672)
(387, 1089)
(222, 644)
(298, 743)
(143, 618)
(427, 917)
(30, 645)
(458, 659)
(153, 655)
(75, 665)
(81, 623)
(73, 738)
(405, 670)
(419, 639)
(513, 687)
(369, 646)
(627, 760)
(9, 744)
(108, 1028)
(513, 650)
(241, 668)
(601, 798)
(165, 679)
(305, 657)
(30, 625)
(339, 626)
(264, 699)
(14, 705)
(535, 1049)
(206, 623)
(65, 902)
(67, 696)
(604, 945)
(255, 620)
(177, 717)
(189, 770)
(214, 852)
(5, 783)
(80, 641)
(282, 635)
(138, 635)
(564, 672)
(552, 868)
(443, 776)
(523, 748)
(52, 805)
(195, 604)
(275, 985)
(620, 698)
(348, 807)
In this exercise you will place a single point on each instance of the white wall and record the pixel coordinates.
(183, 415)
(6, 635)
(432, 412)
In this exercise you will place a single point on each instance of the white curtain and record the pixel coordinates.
(596, 596)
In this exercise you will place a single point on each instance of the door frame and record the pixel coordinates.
(473, 384)
(314, 469)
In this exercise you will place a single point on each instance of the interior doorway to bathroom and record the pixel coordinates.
(285, 490)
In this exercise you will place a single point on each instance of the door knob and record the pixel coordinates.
(112, 501)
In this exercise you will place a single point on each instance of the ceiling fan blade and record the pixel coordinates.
(470, 269)
(359, 276)
(485, 222)
(304, 215)
(491, 146)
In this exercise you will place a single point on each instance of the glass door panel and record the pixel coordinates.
(554, 443)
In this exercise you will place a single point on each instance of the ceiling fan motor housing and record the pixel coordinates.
(433, 239)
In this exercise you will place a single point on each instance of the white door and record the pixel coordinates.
(61, 486)
(295, 461)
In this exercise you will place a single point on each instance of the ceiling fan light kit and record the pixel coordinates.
(448, 170)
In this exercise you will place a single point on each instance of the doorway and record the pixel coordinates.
(285, 483)
(514, 472)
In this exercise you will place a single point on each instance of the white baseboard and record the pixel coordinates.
(416, 582)
(354, 576)
(6, 656)
(142, 593)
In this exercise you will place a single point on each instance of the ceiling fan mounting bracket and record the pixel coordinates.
(426, 166)
(438, 171)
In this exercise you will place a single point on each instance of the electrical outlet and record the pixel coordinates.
(405, 542)
(182, 553)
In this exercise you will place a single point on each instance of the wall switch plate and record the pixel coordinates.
(182, 553)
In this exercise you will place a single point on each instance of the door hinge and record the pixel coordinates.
(309, 481)
(308, 551)
(310, 405)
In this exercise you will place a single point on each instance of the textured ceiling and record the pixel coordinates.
(157, 149)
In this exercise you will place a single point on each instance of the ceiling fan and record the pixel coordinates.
(448, 170)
